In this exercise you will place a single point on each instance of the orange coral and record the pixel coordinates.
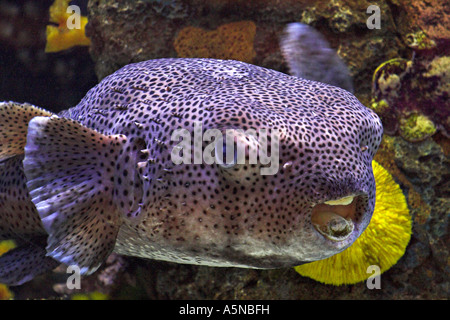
(229, 41)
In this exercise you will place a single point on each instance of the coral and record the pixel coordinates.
(431, 16)
(229, 41)
(416, 127)
(96, 295)
(439, 67)
(444, 143)
(420, 84)
(423, 162)
(386, 156)
(123, 32)
(423, 170)
(419, 41)
(381, 244)
(386, 79)
(421, 208)
(61, 37)
(371, 52)
(439, 71)
(5, 246)
(343, 16)
(5, 293)
(380, 107)
(417, 93)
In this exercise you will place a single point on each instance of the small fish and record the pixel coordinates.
(77, 186)
(309, 56)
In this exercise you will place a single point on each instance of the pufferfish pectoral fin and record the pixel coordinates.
(23, 263)
(70, 176)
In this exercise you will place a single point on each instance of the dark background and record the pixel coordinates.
(53, 81)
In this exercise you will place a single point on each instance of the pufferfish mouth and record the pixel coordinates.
(335, 219)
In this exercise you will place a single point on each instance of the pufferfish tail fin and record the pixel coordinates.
(25, 262)
(72, 175)
(14, 119)
(19, 220)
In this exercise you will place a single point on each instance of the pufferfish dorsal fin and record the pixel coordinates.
(309, 56)
(14, 119)
(71, 176)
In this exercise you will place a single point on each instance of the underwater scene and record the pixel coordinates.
(224, 149)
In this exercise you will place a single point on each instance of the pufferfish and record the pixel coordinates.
(99, 177)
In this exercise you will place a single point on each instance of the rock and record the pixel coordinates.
(430, 16)
(128, 31)
(423, 162)
(229, 41)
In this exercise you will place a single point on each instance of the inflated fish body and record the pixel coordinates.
(100, 177)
